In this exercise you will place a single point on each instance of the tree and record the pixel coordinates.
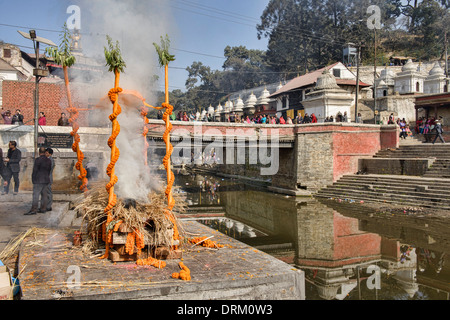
(246, 68)
(204, 85)
(429, 26)
(63, 56)
(309, 34)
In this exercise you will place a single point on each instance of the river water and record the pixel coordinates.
(346, 251)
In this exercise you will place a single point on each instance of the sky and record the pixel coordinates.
(199, 30)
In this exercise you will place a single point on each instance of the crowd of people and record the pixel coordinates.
(427, 125)
(424, 126)
(8, 118)
(18, 118)
(42, 176)
(255, 119)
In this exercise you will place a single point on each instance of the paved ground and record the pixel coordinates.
(13, 221)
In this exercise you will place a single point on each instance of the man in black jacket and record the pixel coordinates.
(12, 168)
(2, 166)
(41, 179)
(17, 119)
(439, 131)
(49, 154)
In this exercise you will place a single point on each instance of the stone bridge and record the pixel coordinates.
(309, 156)
(295, 159)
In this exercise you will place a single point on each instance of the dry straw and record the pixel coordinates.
(147, 218)
(13, 246)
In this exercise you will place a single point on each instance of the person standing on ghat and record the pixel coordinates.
(63, 121)
(7, 118)
(49, 154)
(42, 119)
(439, 131)
(2, 166)
(12, 168)
(41, 179)
(17, 118)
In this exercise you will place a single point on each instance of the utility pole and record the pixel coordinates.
(38, 73)
(375, 111)
(446, 60)
(357, 81)
(36, 98)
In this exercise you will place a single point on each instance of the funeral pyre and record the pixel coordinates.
(137, 231)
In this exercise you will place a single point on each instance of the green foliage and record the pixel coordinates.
(308, 34)
(304, 35)
(62, 55)
(163, 51)
(113, 56)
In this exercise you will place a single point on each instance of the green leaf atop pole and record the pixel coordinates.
(163, 51)
(62, 55)
(113, 56)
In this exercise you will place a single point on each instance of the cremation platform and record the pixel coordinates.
(52, 268)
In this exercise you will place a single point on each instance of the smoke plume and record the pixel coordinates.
(136, 24)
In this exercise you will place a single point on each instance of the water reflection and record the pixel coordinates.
(346, 251)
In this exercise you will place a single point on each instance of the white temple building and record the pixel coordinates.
(435, 81)
(410, 80)
(328, 99)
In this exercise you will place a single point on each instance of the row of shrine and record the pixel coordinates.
(331, 91)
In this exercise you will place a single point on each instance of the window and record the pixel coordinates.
(337, 73)
(384, 93)
(284, 102)
(6, 53)
(417, 87)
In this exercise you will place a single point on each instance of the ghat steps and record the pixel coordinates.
(432, 190)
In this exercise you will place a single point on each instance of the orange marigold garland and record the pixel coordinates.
(116, 64)
(184, 274)
(62, 55)
(164, 58)
(140, 241)
(144, 112)
(150, 261)
(76, 147)
(205, 242)
(130, 244)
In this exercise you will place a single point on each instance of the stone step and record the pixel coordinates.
(370, 199)
(391, 192)
(438, 184)
(415, 155)
(386, 201)
(437, 175)
(429, 146)
(397, 178)
(391, 188)
(418, 154)
(386, 189)
(377, 198)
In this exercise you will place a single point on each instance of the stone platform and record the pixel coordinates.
(236, 271)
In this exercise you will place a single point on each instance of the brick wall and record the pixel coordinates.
(52, 100)
(327, 152)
